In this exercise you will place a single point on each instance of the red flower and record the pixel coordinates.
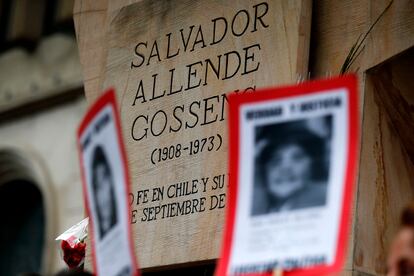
(73, 256)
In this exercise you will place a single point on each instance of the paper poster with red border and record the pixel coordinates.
(105, 182)
(293, 157)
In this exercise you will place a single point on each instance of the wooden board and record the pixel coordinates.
(89, 17)
(387, 167)
(172, 64)
(336, 26)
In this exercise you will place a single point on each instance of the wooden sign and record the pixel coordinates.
(173, 64)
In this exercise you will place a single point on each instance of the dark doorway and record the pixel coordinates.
(22, 228)
(204, 269)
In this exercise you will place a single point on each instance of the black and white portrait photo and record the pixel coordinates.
(291, 165)
(105, 182)
(103, 191)
(293, 157)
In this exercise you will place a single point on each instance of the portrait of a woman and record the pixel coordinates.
(291, 168)
(103, 192)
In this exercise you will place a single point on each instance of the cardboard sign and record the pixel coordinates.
(292, 165)
(105, 180)
(172, 64)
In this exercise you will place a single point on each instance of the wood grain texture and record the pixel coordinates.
(281, 58)
(386, 167)
(276, 44)
(90, 25)
(90, 18)
(337, 25)
(386, 171)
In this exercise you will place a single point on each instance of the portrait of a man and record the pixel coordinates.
(103, 192)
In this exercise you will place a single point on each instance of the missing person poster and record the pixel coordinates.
(105, 180)
(293, 156)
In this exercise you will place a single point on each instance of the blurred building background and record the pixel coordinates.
(41, 104)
